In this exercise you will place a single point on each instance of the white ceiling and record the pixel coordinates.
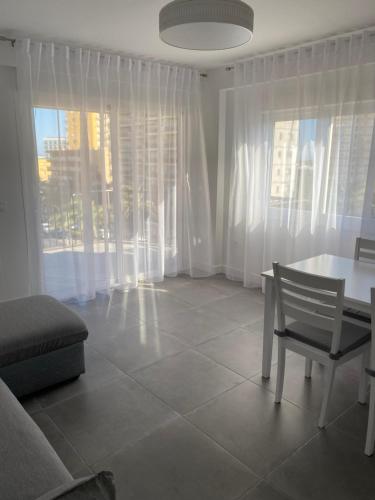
(131, 26)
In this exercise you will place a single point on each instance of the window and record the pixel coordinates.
(285, 135)
(64, 174)
(344, 145)
(351, 140)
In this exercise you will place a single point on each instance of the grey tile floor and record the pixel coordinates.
(173, 403)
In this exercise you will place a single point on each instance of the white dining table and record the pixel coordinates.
(359, 278)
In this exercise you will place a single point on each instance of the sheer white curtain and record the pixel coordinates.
(300, 155)
(114, 170)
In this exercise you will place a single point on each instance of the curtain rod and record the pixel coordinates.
(12, 41)
(304, 44)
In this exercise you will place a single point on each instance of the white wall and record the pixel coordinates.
(13, 248)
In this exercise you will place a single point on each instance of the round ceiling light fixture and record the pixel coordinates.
(206, 24)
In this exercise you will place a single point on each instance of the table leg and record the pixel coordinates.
(268, 328)
(369, 448)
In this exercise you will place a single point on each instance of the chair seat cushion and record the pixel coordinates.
(352, 336)
(358, 315)
(35, 325)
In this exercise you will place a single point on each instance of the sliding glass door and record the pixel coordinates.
(102, 221)
(76, 198)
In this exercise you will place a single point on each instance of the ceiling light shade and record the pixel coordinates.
(206, 24)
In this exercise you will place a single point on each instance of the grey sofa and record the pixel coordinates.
(30, 468)
(41, 343)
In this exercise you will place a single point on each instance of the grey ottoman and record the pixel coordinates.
(41, 343)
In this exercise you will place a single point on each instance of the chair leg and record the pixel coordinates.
(329, 378)
(369, 447)
(280, 370)
(363, 381)
(308, 367)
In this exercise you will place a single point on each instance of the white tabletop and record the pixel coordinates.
(359, 276)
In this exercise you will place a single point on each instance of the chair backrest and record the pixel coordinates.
(364, 249)
(310, 299)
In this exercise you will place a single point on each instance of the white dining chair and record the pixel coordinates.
(310, 323)
(370, 437)
(364, 251)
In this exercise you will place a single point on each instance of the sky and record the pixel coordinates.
(307, 139)
(47, 123)
(307, 130)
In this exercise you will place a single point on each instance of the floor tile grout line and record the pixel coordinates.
(334, 420)
(193, 306)
(302, 409)
(193, 409)
(224, 334)
(239, 326)
(209, 401)
(333, 423)
(176, 414)
(293, 403)
(246, 492)
(316, 436)
(296, 405)
(163, 332)
(168, 421)
(181, 415)
(264, 481)
(347, 434)
(68, 441)
(207, 340)
(131, 375)
(223, 448)
(225, 366)
(294, 452)
(172, 355)
(319, 431)
(243, 291)
(249, 490)
(100, 386)
(222, 364)
(86, 391)
(200, 431)
(219, 364)
(289, 401)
